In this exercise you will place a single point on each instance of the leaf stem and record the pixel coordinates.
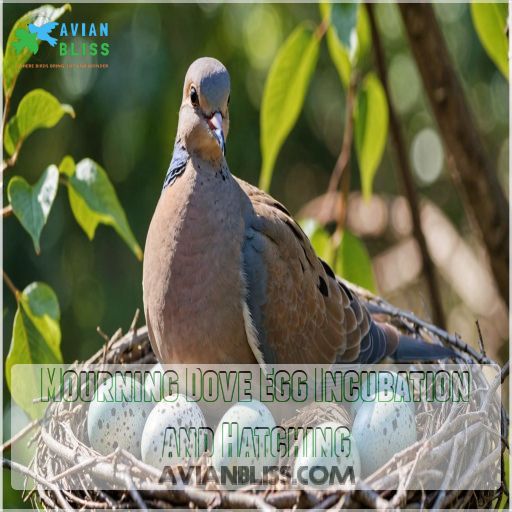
(7, 106)
(7, 211)
(11, 286)
(340, 173)
(406, 175)
(322, 28)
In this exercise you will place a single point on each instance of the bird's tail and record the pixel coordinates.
(384, 341)
(411, 349)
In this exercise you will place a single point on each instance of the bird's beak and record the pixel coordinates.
(215, 123)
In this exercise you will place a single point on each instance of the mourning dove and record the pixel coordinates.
(230, 277)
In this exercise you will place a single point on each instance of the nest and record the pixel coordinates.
(64, 461)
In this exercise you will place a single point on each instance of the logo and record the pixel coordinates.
(29, 38)
(53, 32)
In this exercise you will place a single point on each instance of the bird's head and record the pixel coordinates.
(204, 118)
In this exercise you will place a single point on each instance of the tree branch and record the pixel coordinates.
(472, 172)
(10, 285)
(340, 172)
(7, 211)
(406, 176)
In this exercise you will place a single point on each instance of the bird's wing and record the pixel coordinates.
(300, 311)
(178, 163)
(48, 27)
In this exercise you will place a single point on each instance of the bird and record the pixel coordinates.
(229, 277)
(43, 32)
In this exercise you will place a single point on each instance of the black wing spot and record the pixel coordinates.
(306, 256)
(327, 268)
(346, 290)
(322, 286)
(281, 208)
(296, 232)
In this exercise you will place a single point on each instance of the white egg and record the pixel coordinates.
(117, 415)
(245, 437)
(381, 429)
(327, 456)
(379, 382)
(152, 382)
(175, 433)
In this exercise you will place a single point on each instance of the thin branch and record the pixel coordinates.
(480, 339)
(14, 439)
(406, 175)
(7, 105)
(14, 466)
(472, 172)
(10, 285)
(7, 211)
(11, 162)
(344, 156)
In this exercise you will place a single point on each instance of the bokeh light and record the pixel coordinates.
(427, 155)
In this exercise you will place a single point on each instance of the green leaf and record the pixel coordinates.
(348, 36)
(94, 200)
(490, 21)
(371, 129)
(13, 61)
(37, 109)
(353, 262)
(32, 205)
(339, 56)
(320, 240)
(36, 339)
(344, 21)
(284, 93)
(364, 37)
(67, 166)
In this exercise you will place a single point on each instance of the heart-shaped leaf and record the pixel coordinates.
(371, 129)
(36, 339)
(37, 109)
(94, 200)
(14, 60)
(490, 20)
(32, 205)
(284, 93)
(353, 262)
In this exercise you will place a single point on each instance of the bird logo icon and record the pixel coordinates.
(30, 38)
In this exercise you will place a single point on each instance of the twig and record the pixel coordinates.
(480, 339)
(14, 466)
(340, 168)
(505, 371)
(7, 105)
(10, 285)
(25, 430)
(406, 175)
(7, 211)
(133, 325)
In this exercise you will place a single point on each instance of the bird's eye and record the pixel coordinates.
(194, 97)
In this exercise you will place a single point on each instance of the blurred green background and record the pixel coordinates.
(126, 118)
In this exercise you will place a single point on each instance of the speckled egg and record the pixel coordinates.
(373, 388)
(381, 429)
(151, 381)
(327, 456)
(246, 443)
(174, 433)
(117, 415)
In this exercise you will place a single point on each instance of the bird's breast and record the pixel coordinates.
(193, 288)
